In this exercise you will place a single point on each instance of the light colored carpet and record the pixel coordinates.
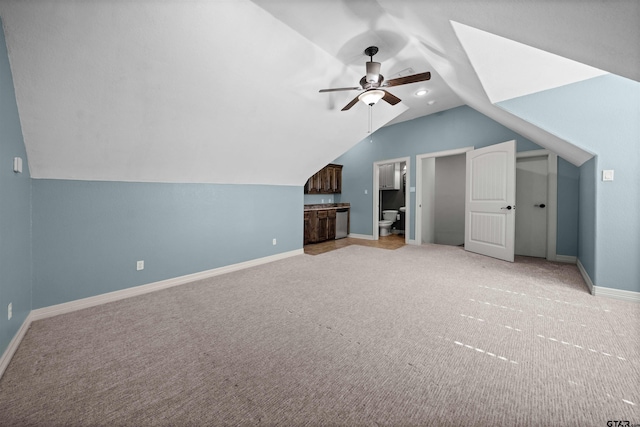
(427, 335)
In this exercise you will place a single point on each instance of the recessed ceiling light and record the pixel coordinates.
(422, 92)
(431, 102)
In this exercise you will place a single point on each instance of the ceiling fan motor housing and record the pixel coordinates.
(373, 72)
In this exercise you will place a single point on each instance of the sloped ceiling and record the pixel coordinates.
(227, 92)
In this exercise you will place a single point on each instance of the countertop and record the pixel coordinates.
(325, 206)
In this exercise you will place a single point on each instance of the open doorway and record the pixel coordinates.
(536, 203)
(391, 190)
(440, 197)
(440, 180)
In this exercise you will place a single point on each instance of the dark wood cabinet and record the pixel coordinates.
(319, 225)
(328, 180)
(331, 224)
(307, 227)
(320, 233)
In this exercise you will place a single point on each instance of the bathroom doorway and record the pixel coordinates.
(389, 198)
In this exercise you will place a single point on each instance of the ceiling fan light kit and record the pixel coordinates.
(372, 96)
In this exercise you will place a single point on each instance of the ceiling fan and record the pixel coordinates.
(373, 82)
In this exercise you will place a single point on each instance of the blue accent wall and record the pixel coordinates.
(568, 208)
(601, 115)
(587, 217)
(87, 236)
(15, 211)
(456, 128)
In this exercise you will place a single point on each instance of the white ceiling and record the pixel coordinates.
(227, 91)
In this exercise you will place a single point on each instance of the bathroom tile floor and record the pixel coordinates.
(393, 241)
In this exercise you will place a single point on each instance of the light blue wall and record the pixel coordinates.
(568, 208)
(65, 240)
(601, 115)
(587, 218)
(15, 211)
(87, 236)
(456, 128)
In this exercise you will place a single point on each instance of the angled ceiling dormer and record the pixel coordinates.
(508, 69)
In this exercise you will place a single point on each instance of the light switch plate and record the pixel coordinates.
(17, 164)
(607, 175)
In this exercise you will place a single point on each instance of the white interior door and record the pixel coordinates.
(532, 201)
(490, 201)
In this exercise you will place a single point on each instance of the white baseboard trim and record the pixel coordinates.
(585, 276)
(413, 242)
(68, 307)
(361, 236)
(602, 291)
(13, 345)
(565, 258)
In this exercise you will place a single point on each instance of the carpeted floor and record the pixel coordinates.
(423, 335)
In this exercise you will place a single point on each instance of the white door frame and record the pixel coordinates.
(376, 197)
(552, 196)
(419, 177)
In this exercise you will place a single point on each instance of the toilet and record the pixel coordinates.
(388, 218)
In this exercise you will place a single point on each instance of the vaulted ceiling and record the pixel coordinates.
(227, 91)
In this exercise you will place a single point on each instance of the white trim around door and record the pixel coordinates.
(552, 195)
(419, 182)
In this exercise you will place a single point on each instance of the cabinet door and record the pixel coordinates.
(317, 182)
(329, 175)
(331, 224)
(389, 176)
(384, 176)
(337, 179)
(326, 180)
(322, 226)
(313, 227)
(307, 228)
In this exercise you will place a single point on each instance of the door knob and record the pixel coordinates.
(507, 208)
(541, 205)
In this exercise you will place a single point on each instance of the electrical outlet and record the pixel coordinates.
(140, 265)
(10, 311)
(274, 242)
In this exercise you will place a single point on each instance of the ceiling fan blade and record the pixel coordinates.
(414, 78)
(390, 98)
(353, 102)
(340, 88)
